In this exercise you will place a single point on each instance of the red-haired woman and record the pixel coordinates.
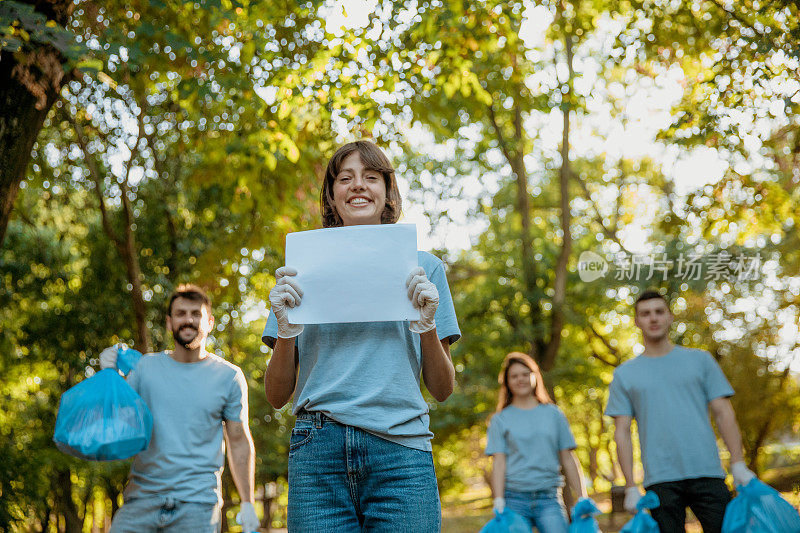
(529, 439)
(360, 453)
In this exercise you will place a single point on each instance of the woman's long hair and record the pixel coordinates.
(373, 158)
(505, 396)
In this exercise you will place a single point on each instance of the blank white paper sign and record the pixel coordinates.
(353, 273)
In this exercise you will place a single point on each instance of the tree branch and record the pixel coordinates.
(94, 172)
(598, 217)
(605, 341)
(603, 360)
(500, 137)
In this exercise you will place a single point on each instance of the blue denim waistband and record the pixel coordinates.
(552, 491)
(317, 417)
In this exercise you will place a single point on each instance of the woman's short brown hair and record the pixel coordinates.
(372, 158)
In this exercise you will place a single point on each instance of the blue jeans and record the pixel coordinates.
(164, 514)
(543, 509)
(344, 479)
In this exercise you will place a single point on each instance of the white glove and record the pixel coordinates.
(741, 474)
(423, 296)
(286, 292)
(108, 358)
(632, 497)
(247, 518)
(499, 504)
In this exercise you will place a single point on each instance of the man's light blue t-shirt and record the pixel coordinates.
(367, 374)
(669, 396)
(189, 403)
(531, 440)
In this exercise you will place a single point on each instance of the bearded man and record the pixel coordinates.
(198, 401)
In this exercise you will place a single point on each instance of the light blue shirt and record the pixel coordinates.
(189, 403)
(668, 396)
(531, 439)
(367, 374)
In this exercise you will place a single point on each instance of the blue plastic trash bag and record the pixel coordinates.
(127, 358)
(583, 517)
(642, 522)
(506, 522)
(760, 509)
(102, 419)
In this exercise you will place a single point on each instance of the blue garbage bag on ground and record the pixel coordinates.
(102, 419)
(507, 522)
(583, 514)
(760, 509)
(642, 522)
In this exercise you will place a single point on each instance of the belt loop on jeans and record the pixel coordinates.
(317, 419)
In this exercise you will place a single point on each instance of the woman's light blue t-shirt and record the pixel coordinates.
(668, 396)
(531, 439)
(367, 374)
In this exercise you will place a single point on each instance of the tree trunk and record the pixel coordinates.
(560, 282)
(112, 492)
(130, 256)
(126, 243)
(65, 503)
(20, 123)
(31, 81)
(44, 522)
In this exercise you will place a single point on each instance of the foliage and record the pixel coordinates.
(197, 142)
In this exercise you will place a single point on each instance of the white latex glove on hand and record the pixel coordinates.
(285, 293)
(632, 497)
(108, 358)
(425, 297)
(247, 518)
(741, 474)
(499, 505)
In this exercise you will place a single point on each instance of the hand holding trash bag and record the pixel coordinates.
(583, 514)
(119, 357)
(506, 521)
(741, 474)
(760, 509)
(632, 497)
(642, 522)
(102, 418)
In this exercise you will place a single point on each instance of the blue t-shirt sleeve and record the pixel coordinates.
(495, 440)
(134, 377)
(619, 403)
(270, 334)
(235, 409)
(446, 322)
(566, 441)
(715, 383)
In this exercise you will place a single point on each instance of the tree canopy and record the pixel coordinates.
(148, 144)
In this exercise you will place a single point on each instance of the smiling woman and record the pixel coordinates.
(359, 188)
(360, 453)
(530, 441)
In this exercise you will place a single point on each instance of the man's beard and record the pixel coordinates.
(193, 343)
(658, 337)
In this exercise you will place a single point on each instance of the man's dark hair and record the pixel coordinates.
(190, 292)
(650, 295)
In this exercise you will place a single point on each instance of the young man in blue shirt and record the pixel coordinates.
(669, 390)
(199, 403)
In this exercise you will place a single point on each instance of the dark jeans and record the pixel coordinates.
(707, 497)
